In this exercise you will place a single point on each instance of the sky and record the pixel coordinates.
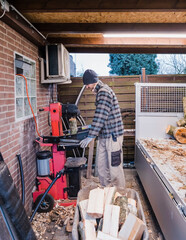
(99, 63)
(96, 62)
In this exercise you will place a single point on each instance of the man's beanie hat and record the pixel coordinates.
(90, 77)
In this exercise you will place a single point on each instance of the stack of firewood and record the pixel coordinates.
(179, 132)
(108, 215)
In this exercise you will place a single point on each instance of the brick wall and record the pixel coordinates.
(18, 137)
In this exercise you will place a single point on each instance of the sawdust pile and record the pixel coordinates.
(58, 218)
(170, 158)
(88, 182)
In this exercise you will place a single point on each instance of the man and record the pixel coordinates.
(108, 126)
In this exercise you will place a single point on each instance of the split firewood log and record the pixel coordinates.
(96, 203)
(170, 129)
(179, 133)
(122, 202)
(182, 122)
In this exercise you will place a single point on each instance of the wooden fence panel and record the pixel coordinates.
(124, 88)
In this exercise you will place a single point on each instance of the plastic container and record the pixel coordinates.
(43, 165)
(130, 193)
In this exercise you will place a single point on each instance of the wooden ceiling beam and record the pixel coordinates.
(119, 41)
(110, 27)
(127, 49)
(107, 17)
(122, 45)
(98, 4)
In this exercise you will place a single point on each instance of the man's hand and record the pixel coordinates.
(85, 142)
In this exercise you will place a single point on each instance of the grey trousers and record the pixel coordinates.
(109, 171)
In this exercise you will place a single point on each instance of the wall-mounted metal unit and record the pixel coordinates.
(57, 67)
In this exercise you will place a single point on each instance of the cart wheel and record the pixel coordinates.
(46, 205)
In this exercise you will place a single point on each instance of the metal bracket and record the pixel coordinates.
(5, 5)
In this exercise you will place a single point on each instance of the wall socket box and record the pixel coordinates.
(5, 5)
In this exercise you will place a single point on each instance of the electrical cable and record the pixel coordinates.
(7, 223)
(31, 25)
(22, 178)
(3, 14)
(29, 102)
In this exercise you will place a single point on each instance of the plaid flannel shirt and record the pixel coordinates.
(107, 119)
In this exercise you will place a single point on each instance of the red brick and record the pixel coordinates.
(3, 108)
(10, 58)
(11, 71)
(2, 95)
(2, 102)
(9, 63)
(11, 44)
(12, 119)
(4, 142)
(10, 81)
(15, 149)
(10, 108)
(2, 115)
(1, 48)
(2, 29)
(9, 95)
(11, 35)
(3, 82)
(3, 55)
(9, 52)
(5, 155)
(16, 136)
(3, 69)
(2, 62)
(9, 101)
(2, 75)
(3, 43)
(10, 114)
(4, 148)
(4, 129)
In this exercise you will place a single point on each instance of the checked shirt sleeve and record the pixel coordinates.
(103, 107)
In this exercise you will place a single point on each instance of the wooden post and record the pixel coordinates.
(144, 90)
(90, 158)
(143, 76)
